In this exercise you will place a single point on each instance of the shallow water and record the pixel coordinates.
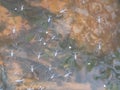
(59, 45)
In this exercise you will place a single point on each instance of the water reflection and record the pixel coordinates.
(59, 45)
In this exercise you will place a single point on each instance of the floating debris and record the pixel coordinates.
(19, 81)
(46, 32)
(50, 68)
(53, 37)
(75, 56)
(31, 68)
(49, 19)
(52, 76)
(56, 53)
(41, 88)
(99, 46)
(63, 10)
(11, 53)
(13, 30)
(104, 86)
(89, 63)
(44, 43)
(70, 47)
(83, 2)
(80, 40)
(40, 39)
(99, 19)
(68, 74)
(39, 55)
(15, 9)
(22, 7)
(30, 89)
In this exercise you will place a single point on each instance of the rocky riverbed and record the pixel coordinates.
(59, 45)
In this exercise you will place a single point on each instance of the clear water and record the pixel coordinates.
(59, 45)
